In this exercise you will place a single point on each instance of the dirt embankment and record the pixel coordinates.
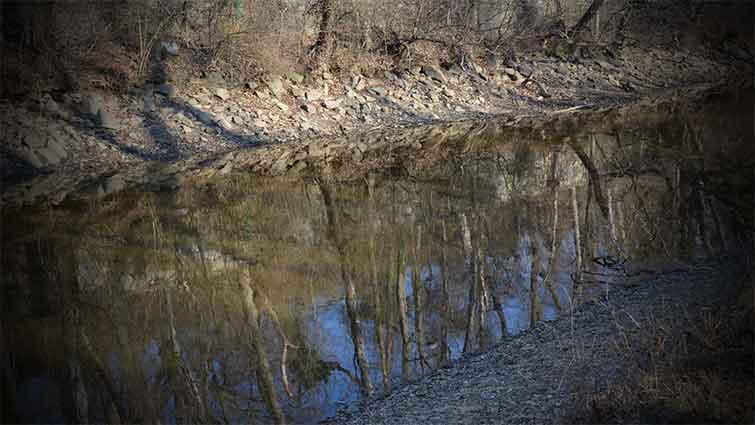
(671, 346)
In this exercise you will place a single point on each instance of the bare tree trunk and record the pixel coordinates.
(586, 18)
(356, 336)
(418, 290)
(595, 180)
(536, 307)
(186, 381)
(577, 248)
(550, 274)
(406, 342)
(444, 310)
(260, 363)
(472, 300)
(484, 300)
(323, 33)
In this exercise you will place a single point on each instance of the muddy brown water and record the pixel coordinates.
(243, 299)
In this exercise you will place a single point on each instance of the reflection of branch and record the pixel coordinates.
(284, 342)
(594, 177)
(334, 365)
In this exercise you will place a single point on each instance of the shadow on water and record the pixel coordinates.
(241, 299)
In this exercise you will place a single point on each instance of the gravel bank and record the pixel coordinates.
(541, 375)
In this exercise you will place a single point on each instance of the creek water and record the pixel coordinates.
(244, 299)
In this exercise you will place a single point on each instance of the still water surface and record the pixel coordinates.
(243, 299)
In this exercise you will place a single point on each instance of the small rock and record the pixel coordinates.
(167, 90)
(276, 86)
(433, 73)
(262, 94)
(331, 103)
(315, 94)
(295, 77)
(222, 93)
(308, 108)
(106, 120)
(297, 93)
(113, 184)
(282, 106)
(251, 85)
(358, 82)
(169, 48)
(378, 91)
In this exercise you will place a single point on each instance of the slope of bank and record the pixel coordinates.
(669, 346)
(57, 144)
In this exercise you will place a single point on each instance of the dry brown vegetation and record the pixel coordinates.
(701, 375)
(114, 45)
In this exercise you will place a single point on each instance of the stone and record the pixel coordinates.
(275, 85)
(297, 93)
(308, 108)
(313, 95)
(92, 104)
(390, 76)
(448, 92)
(262, 94)
(331, 103)
(378, 91)
(282, 106)
(168, 90)
(358, 82)
(222, 93)
(295, 77)
(251, 85)
(169, 48)
(114, 183)
(106, 120)
(433, 73)
(237, 120)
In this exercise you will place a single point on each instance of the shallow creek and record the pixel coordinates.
(241, 299)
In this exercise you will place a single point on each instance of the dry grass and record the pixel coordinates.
(701, 375)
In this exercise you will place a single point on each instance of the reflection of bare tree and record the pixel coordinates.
(351, 296)
(418, 289)
(260, 363)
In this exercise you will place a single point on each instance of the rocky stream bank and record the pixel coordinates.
(55, 146)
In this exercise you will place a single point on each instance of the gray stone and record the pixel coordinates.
(378, 91)
(331, 103)
(433, 73)
(251, 85)
(295, 77)
(169, 48)
(308, 108)
(113, 184)
(276, 86)
(167, 90)
(282, 106)
(222, 93)
(262, 94)
(106, 120)
(298, 93)
(92, 104)
(358, 82)
(316, 94)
